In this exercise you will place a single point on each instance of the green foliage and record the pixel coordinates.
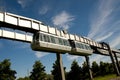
(85, 70)
(106, 77)
(75, 72)
(5, 71)
(102, 69)
(38, 72)
(111, 69)
(95, 68)
(55, 72)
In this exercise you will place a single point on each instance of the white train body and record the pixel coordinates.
(81, 49)
(52, 43)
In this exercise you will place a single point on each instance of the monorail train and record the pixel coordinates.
(79, 48)
(48, 42)
(43, 41)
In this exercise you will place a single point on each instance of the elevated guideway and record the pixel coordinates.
(19, 22)
(15, 36)
(13, 21)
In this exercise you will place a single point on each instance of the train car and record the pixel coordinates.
(79, 48)
(51, 43)
(103, 51)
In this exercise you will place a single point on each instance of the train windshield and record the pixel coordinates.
(36, 37)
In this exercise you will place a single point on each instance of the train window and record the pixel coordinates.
(66, 42)
(82, 46)
(52, 39)
(41, 37)
(46, 38)
(60, 41)
(87, 47)
(56, 40)
(77, 45)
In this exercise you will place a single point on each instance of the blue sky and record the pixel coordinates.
(95, 19)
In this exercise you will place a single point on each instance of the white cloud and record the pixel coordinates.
(80, 59)
(104, 22)
(24, 3)
(105, 37)
(41, 54)
(94, 57)
(72, 57)
(43, 10)
(99, 19)
(98, 58)
(63, 20)
(115, 42)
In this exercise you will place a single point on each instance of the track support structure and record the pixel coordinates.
(61, 68)
(117, 62)
(89, 69)
(112, 56)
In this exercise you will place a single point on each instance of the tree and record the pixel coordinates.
(107, 70)
(5, 71)
(55, 72)
(111, 68)
(104, 68)
(85, 70)
(95, 69)
(38, 72)
(75, 72)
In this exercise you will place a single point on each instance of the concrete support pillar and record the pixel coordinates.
(61, 68)
(89, 69)
(114, 63)
(117, 62)
(112, 59)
